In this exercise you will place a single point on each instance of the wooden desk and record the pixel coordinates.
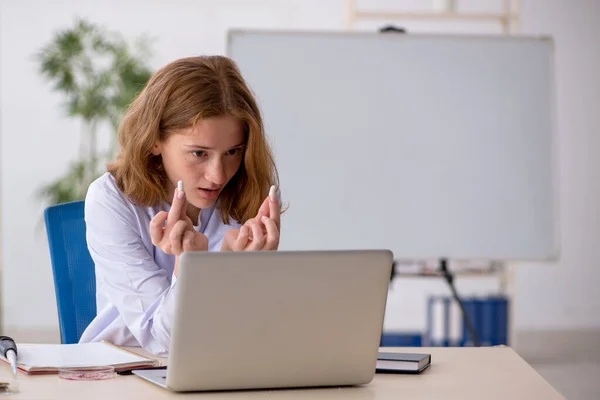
(455, 373)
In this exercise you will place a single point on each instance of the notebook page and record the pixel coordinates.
(74, 355)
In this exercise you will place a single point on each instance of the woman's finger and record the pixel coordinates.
(229, 239)
(156, 227)
(274, 207)
(272, 240)
(183, 197)
(176, 236)
(188, 241)
(258, 238)
(178, 207)
(248, 224)
(242, 239)
(264, 209)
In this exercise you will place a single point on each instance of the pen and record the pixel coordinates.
(8, 349)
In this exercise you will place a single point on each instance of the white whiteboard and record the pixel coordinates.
(430, 146)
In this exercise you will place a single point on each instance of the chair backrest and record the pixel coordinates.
(72, 267)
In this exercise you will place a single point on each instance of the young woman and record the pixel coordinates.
(194, 174)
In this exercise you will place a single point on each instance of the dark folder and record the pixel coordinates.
(402, 362)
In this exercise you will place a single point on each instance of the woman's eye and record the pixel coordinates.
(199, 153)
(234, 152)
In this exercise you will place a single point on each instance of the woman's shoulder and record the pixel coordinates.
(105, 193)
(109, 210)
(104, 188)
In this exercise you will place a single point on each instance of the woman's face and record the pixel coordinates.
(205, 157)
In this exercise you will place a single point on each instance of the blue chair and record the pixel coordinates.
(72, 267)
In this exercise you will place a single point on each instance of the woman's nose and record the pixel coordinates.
(216, 173)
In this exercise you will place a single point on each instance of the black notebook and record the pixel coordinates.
(402, 362)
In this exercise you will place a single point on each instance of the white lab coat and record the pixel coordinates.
(135, 285)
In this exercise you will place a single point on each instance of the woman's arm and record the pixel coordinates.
(126, 273)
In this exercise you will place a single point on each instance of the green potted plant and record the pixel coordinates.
(99, 74)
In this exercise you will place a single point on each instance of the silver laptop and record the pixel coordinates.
(262, 320)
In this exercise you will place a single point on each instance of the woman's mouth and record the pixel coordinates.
(209, 193)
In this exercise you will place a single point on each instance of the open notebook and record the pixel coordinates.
(37, 359)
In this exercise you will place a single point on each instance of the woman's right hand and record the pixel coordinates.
(174, 233)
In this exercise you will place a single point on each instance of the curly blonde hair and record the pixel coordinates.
(177, 97)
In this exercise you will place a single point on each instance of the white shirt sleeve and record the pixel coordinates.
(127, 275)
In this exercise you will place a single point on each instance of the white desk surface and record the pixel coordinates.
(455, 373)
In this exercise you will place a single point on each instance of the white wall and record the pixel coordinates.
(566, 295)
(36, 142)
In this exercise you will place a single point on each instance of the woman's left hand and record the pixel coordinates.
(258, 233)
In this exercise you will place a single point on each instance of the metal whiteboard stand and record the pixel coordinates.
(450, 279)
(445, 272)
